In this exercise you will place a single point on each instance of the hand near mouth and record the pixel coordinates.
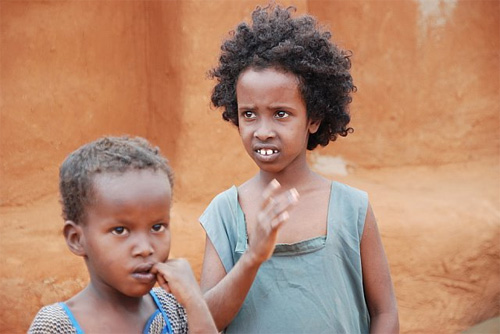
(176, 277)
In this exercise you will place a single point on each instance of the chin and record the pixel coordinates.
(140, 292)
(268, 168)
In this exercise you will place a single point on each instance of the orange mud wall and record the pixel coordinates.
(73, 71)
(426, 140)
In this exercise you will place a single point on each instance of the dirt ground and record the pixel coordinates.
(440, 227)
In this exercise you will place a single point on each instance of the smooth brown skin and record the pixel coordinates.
(129, 226)
(272, 111)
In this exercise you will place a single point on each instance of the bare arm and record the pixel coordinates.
(226, 292)
(175, 276)
(379, 291)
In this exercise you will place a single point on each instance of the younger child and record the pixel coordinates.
(116, 194)
(287, 87)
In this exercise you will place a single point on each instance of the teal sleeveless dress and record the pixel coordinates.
(312, 286)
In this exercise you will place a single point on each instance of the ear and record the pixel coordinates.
(314, 126)
(75, 240)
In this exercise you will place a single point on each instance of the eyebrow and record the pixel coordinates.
(282, 106)
(246, 106)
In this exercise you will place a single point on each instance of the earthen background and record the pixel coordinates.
(426, 143)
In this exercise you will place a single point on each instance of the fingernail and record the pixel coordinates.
(285, 216)
(295, 194)
(273, 185)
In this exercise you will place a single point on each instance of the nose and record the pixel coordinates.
(142, 246)
(264, 130)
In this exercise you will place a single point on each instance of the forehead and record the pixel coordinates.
(129, 186)
(266, 78)
(268, 88)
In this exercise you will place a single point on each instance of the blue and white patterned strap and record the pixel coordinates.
(168, 326)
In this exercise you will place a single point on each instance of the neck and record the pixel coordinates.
(291, 177)
(105, 295)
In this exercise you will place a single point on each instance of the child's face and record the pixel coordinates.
(272, 115)
(127, 230)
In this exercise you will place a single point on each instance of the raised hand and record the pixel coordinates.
(273, 213)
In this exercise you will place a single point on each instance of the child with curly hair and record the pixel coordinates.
(287, 87)
(116, 194)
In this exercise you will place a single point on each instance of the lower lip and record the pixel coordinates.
(266, 158)
(144, 277)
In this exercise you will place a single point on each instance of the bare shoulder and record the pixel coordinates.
(250, 198)
(250, 188)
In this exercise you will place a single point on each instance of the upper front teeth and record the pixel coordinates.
(267, 152)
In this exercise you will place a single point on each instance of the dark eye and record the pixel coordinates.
(119, 230)
(281, 114)
(158, 227)
(248, 114)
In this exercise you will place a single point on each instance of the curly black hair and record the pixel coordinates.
(104, 155)
(297, 45)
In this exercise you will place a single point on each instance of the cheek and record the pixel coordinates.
(245, 132)
(101, 251)
(163, 247)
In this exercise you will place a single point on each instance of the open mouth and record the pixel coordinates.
(143, 273)
(266, 152)
(143, 268)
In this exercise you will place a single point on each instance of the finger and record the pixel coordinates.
(166, 288)
(161, 272)
(278, 221)
(271, 189)
(293, 195)
(160, 279)
(287, 199)
(281, 203)
(162, 282)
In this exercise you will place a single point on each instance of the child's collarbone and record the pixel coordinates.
(307, 220)
(300, 227)
(102, 319)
